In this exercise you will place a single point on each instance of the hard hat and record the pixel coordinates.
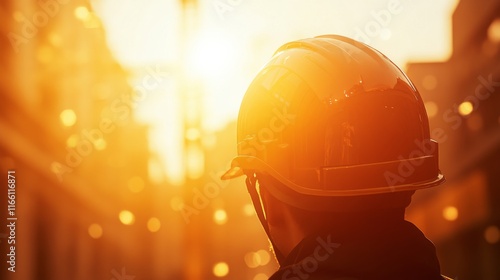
(331, 117)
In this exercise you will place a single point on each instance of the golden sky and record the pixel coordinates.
(237, 36)
(232, 39)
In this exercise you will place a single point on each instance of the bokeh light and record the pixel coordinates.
(492, 234)
(264, 256)
(220, 269)
(259, 258)
(494, 31)
(431, 108)
(68, 117)
(248, 210)
(154, 224)
(450, 213)
(260, 276)
(465, 108)
(100, 144)
(220, 216)
(55, 39)
(177, 203)
(126, 217)
(252, 259)
(82, 13)
(72, 140)
(95, 231)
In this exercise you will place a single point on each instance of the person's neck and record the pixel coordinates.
(344, 225)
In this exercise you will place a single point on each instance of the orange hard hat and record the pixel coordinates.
(329, 117)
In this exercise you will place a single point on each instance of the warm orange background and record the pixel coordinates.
(118, 118)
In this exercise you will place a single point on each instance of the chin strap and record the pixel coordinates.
(251, 182)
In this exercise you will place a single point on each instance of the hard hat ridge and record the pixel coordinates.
(328, 117)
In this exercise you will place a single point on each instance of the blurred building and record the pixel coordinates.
(462, 100)
(84, 200)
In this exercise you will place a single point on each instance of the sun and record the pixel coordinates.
(211, 57)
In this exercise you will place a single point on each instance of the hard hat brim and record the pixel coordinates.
(253, 164)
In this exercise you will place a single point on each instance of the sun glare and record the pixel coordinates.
(218, 56)
(211, 57)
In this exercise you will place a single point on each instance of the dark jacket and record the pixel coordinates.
(396, 251)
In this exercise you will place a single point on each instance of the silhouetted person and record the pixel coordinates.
(334, 140)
